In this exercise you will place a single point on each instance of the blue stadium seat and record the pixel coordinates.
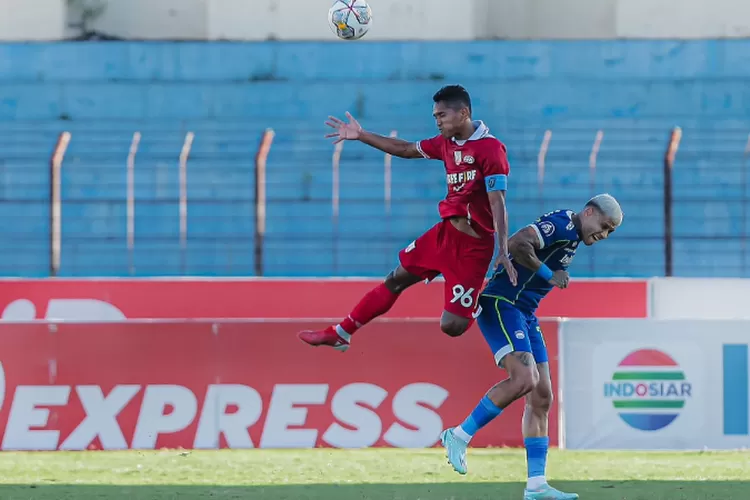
(227, 94)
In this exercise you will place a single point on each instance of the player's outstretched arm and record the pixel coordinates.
(391, 145)
(353, 131)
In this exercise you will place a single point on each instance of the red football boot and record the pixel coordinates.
(328, 337)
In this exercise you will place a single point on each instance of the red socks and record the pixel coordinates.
(376, 302)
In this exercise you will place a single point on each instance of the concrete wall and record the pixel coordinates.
(155, 19)
(687, 19)
(393, 19)
(32, 20)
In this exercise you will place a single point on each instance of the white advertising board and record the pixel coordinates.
(649, 384)
(700, 298)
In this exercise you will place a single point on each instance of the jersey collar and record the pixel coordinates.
(480, 132)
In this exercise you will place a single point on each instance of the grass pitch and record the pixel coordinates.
(376, 474)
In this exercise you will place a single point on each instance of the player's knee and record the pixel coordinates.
(525, 381)
(522, 372)
(521, 383)
(539, 401)
(542, 398)
(399, 280)
(454, 327)
(393, 285)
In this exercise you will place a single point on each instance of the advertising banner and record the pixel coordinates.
(700, 298)
(243, 384)
(114, 300)
(655, 384)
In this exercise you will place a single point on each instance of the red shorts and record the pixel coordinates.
(462, 259)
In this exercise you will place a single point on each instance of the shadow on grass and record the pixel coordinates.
(593, 490)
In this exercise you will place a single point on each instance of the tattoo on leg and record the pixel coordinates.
(524, 357)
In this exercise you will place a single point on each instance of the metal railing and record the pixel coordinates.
(364, 251)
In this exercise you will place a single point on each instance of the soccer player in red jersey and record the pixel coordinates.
(473, 216)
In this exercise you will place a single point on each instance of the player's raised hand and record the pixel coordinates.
(344, 131)
(504, 260)
(560, 279)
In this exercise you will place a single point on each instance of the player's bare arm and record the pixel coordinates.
(523, 246)
(500, 216)
(391, 145)
(353, 131)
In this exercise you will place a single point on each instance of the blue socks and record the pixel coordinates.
(536, 447)
(536, 459)
(482, 415)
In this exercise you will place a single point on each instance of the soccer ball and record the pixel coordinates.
(350, 19)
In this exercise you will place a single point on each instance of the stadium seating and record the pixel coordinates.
(228, 94)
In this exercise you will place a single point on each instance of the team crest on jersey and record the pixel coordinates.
(547, 228)
(459, 158)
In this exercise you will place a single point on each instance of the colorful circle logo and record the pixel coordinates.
(648, 390)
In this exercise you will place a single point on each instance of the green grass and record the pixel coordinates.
(366, 474)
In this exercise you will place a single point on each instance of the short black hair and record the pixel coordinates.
(455, 96)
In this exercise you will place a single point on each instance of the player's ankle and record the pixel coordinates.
(341, 332)
(461, 434)
(347, 326)
(534, 483)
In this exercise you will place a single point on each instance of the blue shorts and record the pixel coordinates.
(507, 329)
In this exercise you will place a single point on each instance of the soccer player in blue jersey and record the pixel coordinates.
(541, 253)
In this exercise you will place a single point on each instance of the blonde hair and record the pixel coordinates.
(608, 205)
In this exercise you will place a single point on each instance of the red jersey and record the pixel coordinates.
(473, 167)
